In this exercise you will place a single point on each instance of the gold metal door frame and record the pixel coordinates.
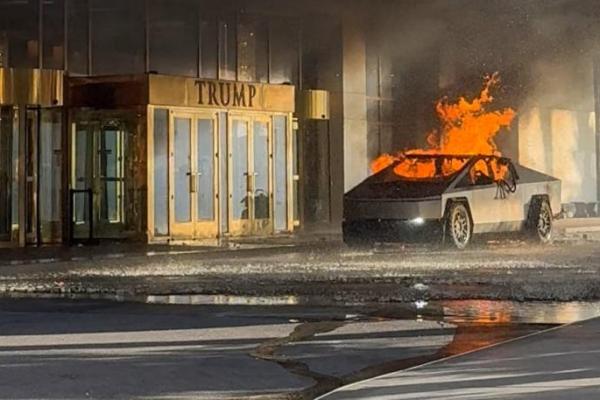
(194, 228)
(250, 226)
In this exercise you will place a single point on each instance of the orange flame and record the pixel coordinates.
(466, 129)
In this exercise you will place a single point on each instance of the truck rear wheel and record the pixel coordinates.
(539, 224)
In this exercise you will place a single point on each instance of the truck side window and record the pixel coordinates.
(480, 174)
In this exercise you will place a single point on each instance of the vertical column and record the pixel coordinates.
(356, 163)
(22, 174)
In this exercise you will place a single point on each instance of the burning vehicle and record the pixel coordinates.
(487, 194)
(458, 187)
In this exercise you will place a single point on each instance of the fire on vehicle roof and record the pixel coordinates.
(458, 187)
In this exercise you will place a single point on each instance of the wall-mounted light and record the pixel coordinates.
(316, 104)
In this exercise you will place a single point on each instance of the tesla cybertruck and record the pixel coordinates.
(459, 197)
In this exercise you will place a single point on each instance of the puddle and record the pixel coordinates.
(500, 312)
(199, 299)
(458, 312)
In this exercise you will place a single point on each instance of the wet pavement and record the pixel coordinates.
(325, 274)
(88, 349)
(98, 349)
(557, 364)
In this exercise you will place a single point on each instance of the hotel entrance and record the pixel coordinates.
(99, 181)
(166, 158)
(220, 159)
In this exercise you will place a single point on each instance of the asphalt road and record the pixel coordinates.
(58, 349)
(559, 364)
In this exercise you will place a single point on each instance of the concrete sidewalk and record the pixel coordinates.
(573, 228)
(106, 250)
(559, 364)
(565, 229)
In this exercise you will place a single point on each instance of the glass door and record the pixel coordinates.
(98, 170)
(261, 183)
(240, 176)
(109, 184)
(8, 159)
(50, 176)
(31, 175)
(193, 165)
(250, 183)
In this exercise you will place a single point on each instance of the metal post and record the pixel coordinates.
(22, 174)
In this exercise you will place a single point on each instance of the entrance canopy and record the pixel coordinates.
(174, 91)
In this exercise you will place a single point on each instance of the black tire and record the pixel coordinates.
(539, 221)
(459, 226)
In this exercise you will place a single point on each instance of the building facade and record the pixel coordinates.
(168, 120)
(160, 120)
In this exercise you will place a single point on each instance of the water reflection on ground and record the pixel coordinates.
(499, 312)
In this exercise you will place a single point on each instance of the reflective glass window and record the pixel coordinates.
(53, 34)
(7, 133)
(50, 187)
(173, 37)
(284, 51)
(182, 150)
(227, 49)
(20, 19)
(208, 49)
(239, 148)
(161, 172)
(206, 169)
(261, 170)
(77, 37)
(280, 172)
(253, 49)
(117, 36)
(111, 174)
(223, 168)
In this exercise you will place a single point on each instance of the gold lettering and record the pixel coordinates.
(200, 85)
(239, 96)
(212, 94)
(251, 94)
(225, 90)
